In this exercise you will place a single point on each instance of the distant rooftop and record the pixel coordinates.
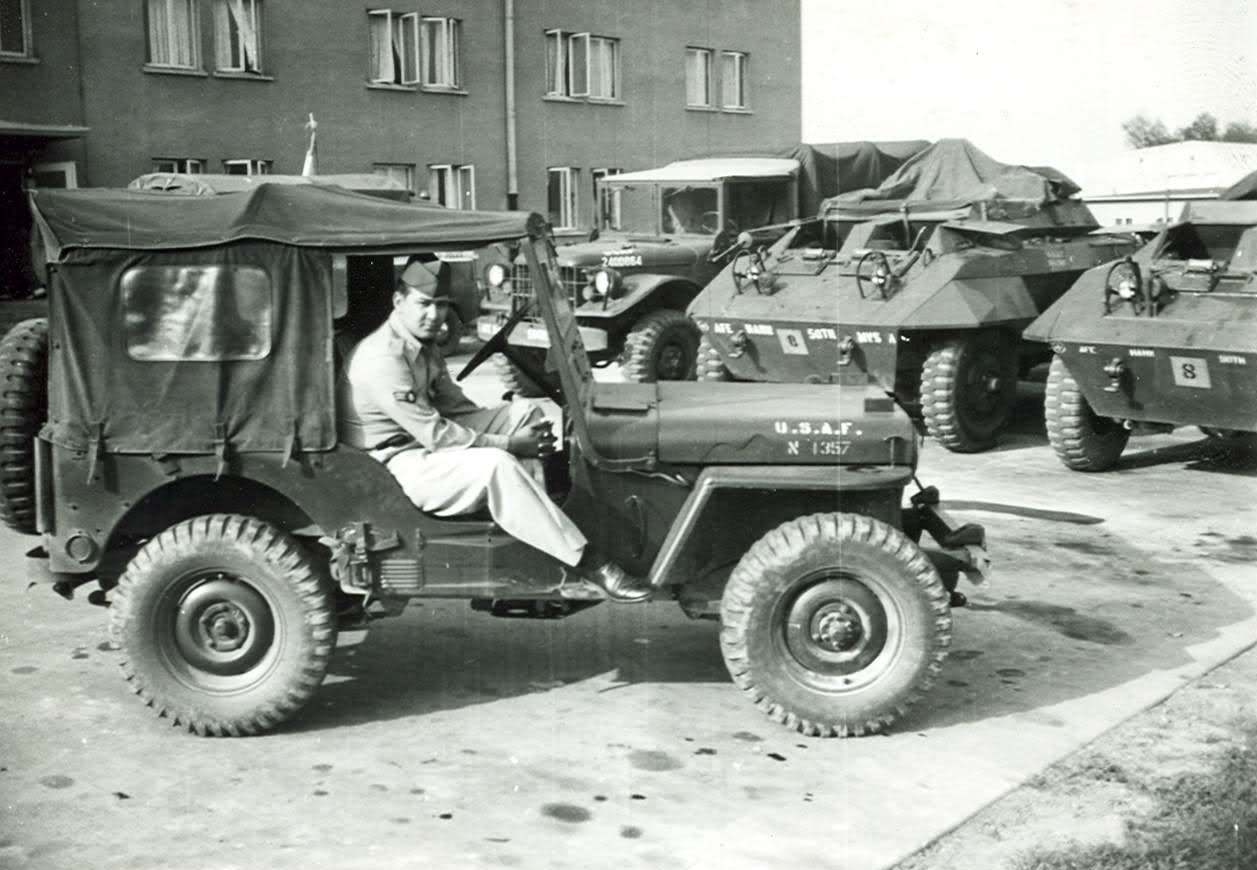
(1195, 169)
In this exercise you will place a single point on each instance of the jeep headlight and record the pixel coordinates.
(607, 282)
(495, 275)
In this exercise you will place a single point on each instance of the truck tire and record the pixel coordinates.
(710, 367)
(1082, 439)
(224, 625)
(968, 386)
(23, 410)
(514, 379)
(661, 346)
(834, 624)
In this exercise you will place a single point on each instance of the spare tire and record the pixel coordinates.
(23, 409)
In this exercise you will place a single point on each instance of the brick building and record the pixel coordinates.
(486, 103)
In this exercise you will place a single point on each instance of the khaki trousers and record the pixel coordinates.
(452, 482)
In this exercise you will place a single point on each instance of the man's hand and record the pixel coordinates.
(535, 442)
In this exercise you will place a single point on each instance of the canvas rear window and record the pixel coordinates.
(197, 313)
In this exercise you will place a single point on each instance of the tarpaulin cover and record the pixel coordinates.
(955, 172)
(831, 168)
(102, 396)
(1245, 188)
(306, 215)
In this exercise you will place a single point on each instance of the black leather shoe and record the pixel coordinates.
(619, 584)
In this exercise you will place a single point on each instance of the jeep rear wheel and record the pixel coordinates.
(23, 410)
(661, 346)
(223, 624)
(710, 366)
(968, 386)
(1082, 439)
(834, 624)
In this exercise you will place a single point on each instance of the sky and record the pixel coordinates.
(1048, 82)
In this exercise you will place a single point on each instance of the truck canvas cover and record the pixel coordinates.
(189, 324)
(955, 174)
(831, 168)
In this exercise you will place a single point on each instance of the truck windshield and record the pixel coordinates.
(630, 208)
(690, 210)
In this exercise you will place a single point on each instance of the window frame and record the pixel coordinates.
(613, 43)
(27, 51)
(450, 75)
(741, 62)
(253, 165)
(224, 20)
(569, 195)
(193, 45)
(398, 52)
(706, 54)
(608, 200)
(452, 185)
(570, 66)
(180, 165)
(389, 171)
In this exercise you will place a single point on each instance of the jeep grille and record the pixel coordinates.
(521, 285)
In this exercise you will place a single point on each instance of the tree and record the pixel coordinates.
(1240, 131)
(1144, 132)
(1204, 128)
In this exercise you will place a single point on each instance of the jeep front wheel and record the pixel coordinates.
(1081, 438)
(710, 366)
(516, 380)
(661, 346)
(968, 386)
(223, 624)
(834, 624)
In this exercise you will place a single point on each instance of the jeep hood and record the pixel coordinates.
(714, 423)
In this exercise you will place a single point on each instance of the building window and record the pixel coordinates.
(15, 28)
(186, 165)
(698, 77)
(59, 174)
(562, 196)
(238, 35)
(582, 65)
(733, 79)
(442, 52)
(402, 173)
(610, 213)
(452, 186)
(247, 167)
(394, 47)
(172, 34)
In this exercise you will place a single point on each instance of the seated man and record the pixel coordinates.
(396, 399)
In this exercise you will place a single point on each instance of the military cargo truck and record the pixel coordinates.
(1161, 338)
(922, 286)
(659, 238)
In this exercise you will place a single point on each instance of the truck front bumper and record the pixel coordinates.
(531, 334)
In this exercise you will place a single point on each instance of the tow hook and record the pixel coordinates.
(1116, 370)
(738, 343)
(846, 348)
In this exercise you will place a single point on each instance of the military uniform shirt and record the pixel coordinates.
(396, 394)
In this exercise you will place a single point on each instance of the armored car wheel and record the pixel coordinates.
(1082, 439)
(223, 624)
(968, 386)
(710, 367)
(834, 624)
(23, 409)
(661, 346)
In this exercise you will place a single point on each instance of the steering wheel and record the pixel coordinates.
(747, 266)
(500, 343)
(709, 223)
(880, 277)
(1124, 281)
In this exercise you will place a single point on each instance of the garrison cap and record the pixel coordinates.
(431, 279)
